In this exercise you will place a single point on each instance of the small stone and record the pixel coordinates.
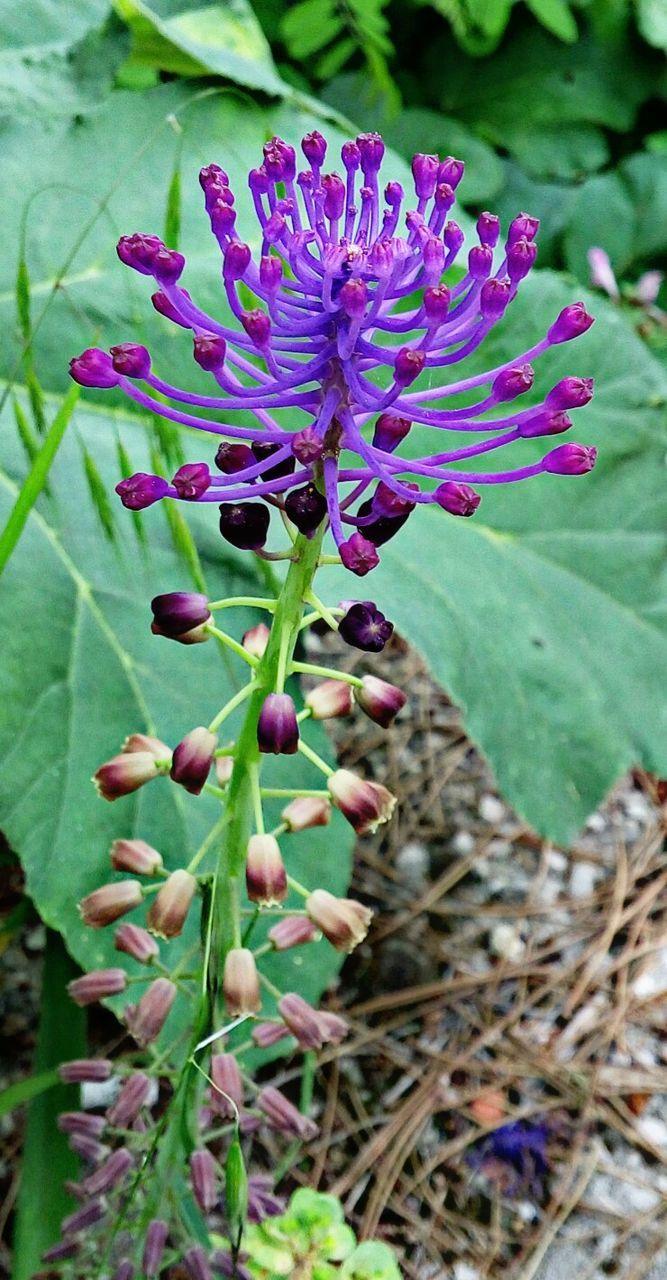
(462, 843)
(583, 877)
(653, 1130)
(653, 976)
(464, 1271)
(596, 822)
(556, 861)
(507, 942)
(35, 939)
(412, 863)
(491, 809)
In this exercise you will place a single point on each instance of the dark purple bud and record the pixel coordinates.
(279, 160)
(257, 326)
(227, 1086)
(245, 524)
(389, 431)
(425, 173)
(371, 150)
(61, 1252)
(353, 297)
(334, 195)
(408, 365)
(451, 171)
(545, 424)
(146, 1019)
(167, 265)
(453, 238)
(456, 498)
(88, 1149)
(81, 1122)
(433, 257)
(166, 308)
(258, 181)
(309, 1028)
(93, 368)
(306, 508)
(572, 321)
(141, 490)
(379, 699)
(156, 1239)
(222, 218)
(520, 258)
(262, 451)
(231, 458)
(480, 261)
(270, 273)
(366, 805)
(236, 261)
(192, 480)
(436, 303)
(277, 728)
(570, 393)
(444, 196)
(364, 627)
(209, 351)
(307, 446)
(110, 1173)
(358, 555)
(522, 227)
(314, 148)
(193, 758)
(351, 156)
(212, 173)
(138, 251)
(571, 459)
(513, 382)
(87, 1216)
(266, 1034)
(390, 504)
(488, 229)
(180, 615)
(204, 1179)
(97, 985)
(494, 298)
(282, 1115)
(262, 1203)
(133, 1096)
(86, 1070)
(384, 527)
(393, 193)
(131, 359)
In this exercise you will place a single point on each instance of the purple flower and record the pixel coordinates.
(332, 342)
(514, 1156)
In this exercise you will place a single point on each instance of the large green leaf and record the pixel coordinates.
(81, 669)
(52, 59)
(625, 212)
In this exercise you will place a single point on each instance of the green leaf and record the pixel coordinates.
(557, 17)
(371, 1260)
(550, 152)
(52, 59)
(15, 1095)
(652, 22)
(309, 26)
(418, 129)
(625, 212)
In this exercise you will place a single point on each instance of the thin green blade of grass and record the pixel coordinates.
(172, 220)
(126, 470)
(15, 1095)
(98, 494)
(31, 444)
(23, 312)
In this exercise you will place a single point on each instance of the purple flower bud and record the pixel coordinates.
(87, 1216)
(212, 173)
(261, 451)
(389, 431)
(436, 304)
(283, 1116)
(265, 875)
(451, 171)
(204, 1180)
(488, 229)
(168, 266)
(209, 351)
(314, 148)
(266, 1034)
(88, 1149)
(133, 1096)
(131, 359)
(329, 699)
(256, 639)
(103, 906)
(113, 1171)
(343, 921)
(364, 627)
(310, 1029)
(380, 700)
(270, 273)
(425, 173)
(570, 323)
(453, 238)
(258, 181)
(513, 382)
(85, 1070)
(227, 1089)
(245, 524)
(146, 1019)
(97, 985)
(181, 616)
(166, 308)
(240, 983)
(522, 227)
(136, 942)
(277, 728)
(334, 195)
(236, 261)
(170, 906)
(156, 1239)
(307, 446)
(293, 931)
(520, 258)
(197, 1264)
(138, 251)
(306, 508)
(391, 505)
(61, 1252)
(359, 555)
(545, 424)
(353, 297)
(231, 458)
(351, 157)
(125, 1271)
(125, 773)
(371, 151)
(257, 326)
(408, 365)
(480, 261)
(393, 193)
(261, 1201)
(141, 490)
(192, 480)
(93, 368)
(306, 811)
(81, 1122)
(570, 393)
(456, 498)
(494, 298)
(444, 196)
(365, 804)
(279, 160)
(571, 459)
(135, 856)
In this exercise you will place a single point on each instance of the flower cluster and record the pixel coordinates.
(351, 327)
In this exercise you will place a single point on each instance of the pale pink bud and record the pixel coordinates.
(204, 1180)
(266, 878)
(136, 856)
(365, 804)
(110, 902)
(97, 985)
(227, 1089)
(343, 921)
(89, 1149)
(81, 1122)
(256, 639)
(266, 1034)
(110, 1173)
(193, 758)
(311, 1028)
(329, 699)
(87, 1216)
(156, 1239)
(125, 773)
(146, 742)
(85, 1070)
(197, 1264)
(224, 767)
(241, 983)
(136, 942)
(171, 904)
(146, 1019)
(602, 272)
(283, 1116)
(380, 700)
(132, 1097)
(306, 811)
(293, 931)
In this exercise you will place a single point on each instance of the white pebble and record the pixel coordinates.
(653, 1130)
(491, 809)
(462, 843)
(583, 877)
(412, 862)
(596, 822)
(653, 976)
(507, 942)
(556, 861)
(464, 1271)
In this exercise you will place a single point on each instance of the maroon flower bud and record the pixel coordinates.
(311, 1028)
(237, 260)
(141, 742)
(329, 699)
(227, 1089)
(570, 393)
(193, 758)
(131, 359)
(425, 174)
(168, 266)
(307, 446)
(258, 180)
(457, 498)
(292, 931)
(134, 1095)
(365, 804)
(314, 148)
(141, 490)
(136, 856)
(436, 303)
(212, 173)
(522, 227)
(520, 258)
(209, 351)
(87, 1216)
(380, 700)
(334, 195)
(277, 728)
(283, 1116)
(85, 1070)
(240, 983)
(393, 192)
(245, 524)
(81, 1122)
(257, 326)
(480, 262)
(389, 431)
(192, 480)
(136, 942)
(266, 878)
(451, 171)
(408, 365)
(204, 1179)
(306, 508)
(545, 424)
(166, 308)
(306, 811)
(571, 459)
(171, 904)
(488, 229)
(146, 1019)
(256, 639)
(279, 160)
(513, 382)
(261, 452)
(138, 251)
(181, 616)
(359, 555)
(97, 985)
(231, 458)
(270, 273)
(387, 503)
(364, 627)
(266, 1034)
(343, 921)
(494, 298)
(353, 297)
(371, 151)
(110, 902)
(110, 1173)
(156, 1239)
(93, 368)
(570, 323)
(125, 773)
(197, 1265)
